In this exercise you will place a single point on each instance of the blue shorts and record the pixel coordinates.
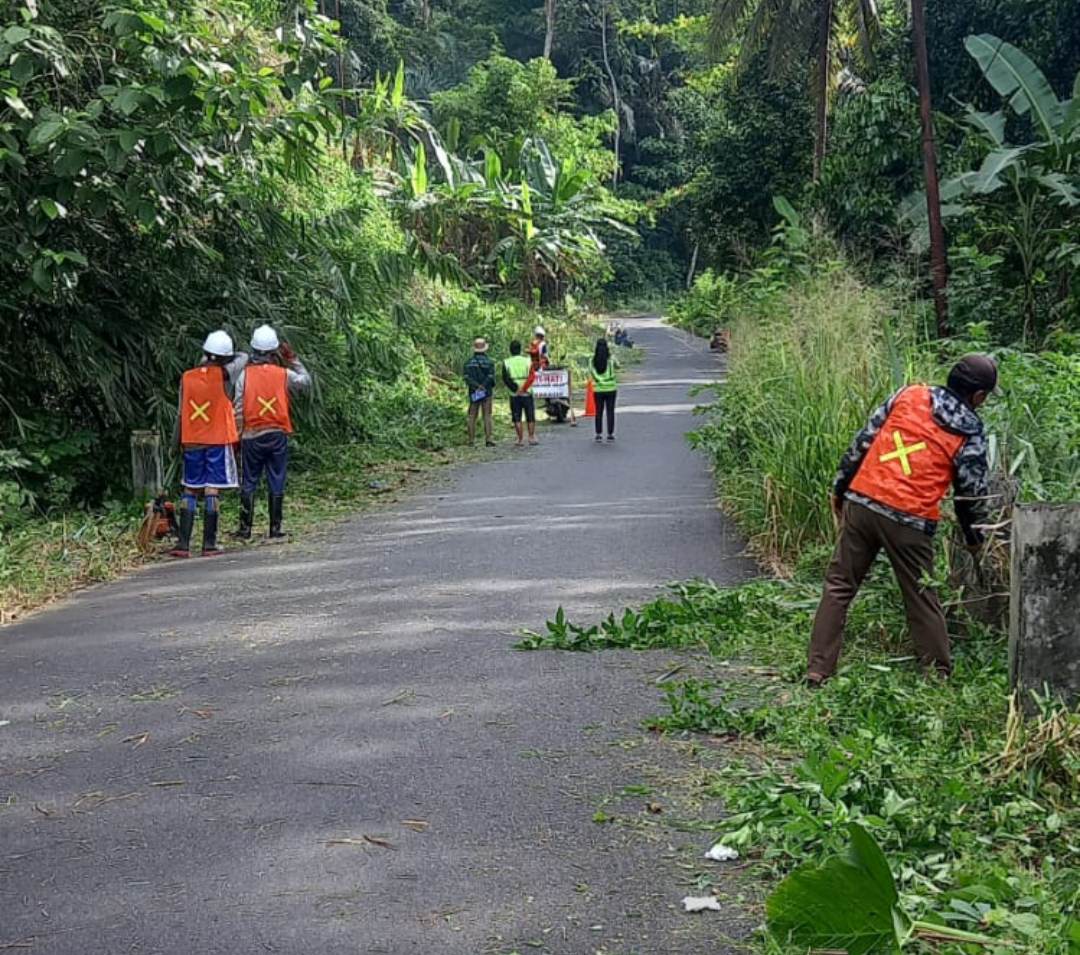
(210, 466)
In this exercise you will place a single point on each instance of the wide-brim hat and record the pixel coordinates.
(480, 344)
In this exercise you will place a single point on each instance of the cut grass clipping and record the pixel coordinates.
(974, 808)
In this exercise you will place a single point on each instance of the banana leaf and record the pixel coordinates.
(1013, 74)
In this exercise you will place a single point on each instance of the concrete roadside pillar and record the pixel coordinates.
(1044, 624)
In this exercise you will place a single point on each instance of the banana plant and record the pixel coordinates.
(521, 217)
(1024, 192)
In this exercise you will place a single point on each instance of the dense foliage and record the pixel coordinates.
(167, 169)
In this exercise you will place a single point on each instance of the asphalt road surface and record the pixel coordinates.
(330, 746)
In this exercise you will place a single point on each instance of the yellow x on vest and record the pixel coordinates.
(902, 452)
(267, 405)
(199, 411)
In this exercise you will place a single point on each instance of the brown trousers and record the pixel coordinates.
(911, 552)
(475, 408)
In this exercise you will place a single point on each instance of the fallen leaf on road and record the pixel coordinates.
(399, 698)
(670, 673)
(44, 811)
(138, 739)
(169, 782)
(362, 841)
(701, 903)
(654, 807)
(418, 825)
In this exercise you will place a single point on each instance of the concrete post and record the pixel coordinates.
(1044, 624)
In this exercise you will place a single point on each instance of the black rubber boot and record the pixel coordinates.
(277, 502)
(185, 525)
(247, 516)
(209, 534)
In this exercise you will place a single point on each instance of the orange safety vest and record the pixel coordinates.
(910, 464)
(536, 354)
(266, 398)
(206, 413)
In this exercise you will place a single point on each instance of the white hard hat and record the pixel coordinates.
(219, 343)
(264, 339)
(539, 330)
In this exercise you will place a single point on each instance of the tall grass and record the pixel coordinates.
(811, 356)
(806, 366)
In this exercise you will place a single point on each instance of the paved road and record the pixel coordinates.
(299, 699)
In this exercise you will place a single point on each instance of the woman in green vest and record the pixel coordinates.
(605, 387)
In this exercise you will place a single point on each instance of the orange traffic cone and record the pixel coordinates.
(590, 400)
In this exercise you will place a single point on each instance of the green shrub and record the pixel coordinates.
(707, 306)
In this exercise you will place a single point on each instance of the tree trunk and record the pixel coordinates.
(939, 267)
(616, 99)
(822, 87)
(693, 267)
(549, 36)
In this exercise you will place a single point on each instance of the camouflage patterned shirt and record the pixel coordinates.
(971, 489)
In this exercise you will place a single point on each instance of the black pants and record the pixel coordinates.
(267, 452)
(605, 400)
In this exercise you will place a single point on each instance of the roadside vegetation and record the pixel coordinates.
(387, 185)
(939, 814)
(972, 805)
(166, 170)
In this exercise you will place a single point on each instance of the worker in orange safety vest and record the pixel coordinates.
(887, 496)
(206, 431)
(538, 349)
(264, 391)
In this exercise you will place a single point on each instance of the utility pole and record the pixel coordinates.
(939, 266)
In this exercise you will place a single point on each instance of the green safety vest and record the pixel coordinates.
(605, 382)
(518, 367)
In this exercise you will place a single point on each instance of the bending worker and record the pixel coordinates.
(518, 375)
(206, 430)
(263, 393)
(887, 496)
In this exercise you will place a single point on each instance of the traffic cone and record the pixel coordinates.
(590, 400)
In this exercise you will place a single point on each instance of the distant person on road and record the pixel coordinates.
(887, 496)
(264, 392)
(517, 375)
(207, 434)
(480, 380)
(605, 388)
(538, 349)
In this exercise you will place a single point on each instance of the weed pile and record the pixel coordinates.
(975, 809)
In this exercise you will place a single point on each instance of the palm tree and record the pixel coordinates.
(795, 32)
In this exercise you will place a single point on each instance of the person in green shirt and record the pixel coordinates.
(517, 375)
(605, 387)
(480, 378)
